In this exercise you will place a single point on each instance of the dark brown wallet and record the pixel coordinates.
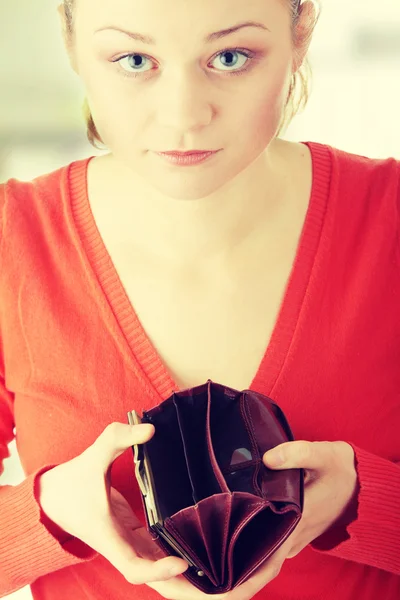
(207, 495)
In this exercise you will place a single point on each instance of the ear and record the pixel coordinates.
(303, 32)
(67, 36)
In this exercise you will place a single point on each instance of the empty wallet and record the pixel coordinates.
(207, 496)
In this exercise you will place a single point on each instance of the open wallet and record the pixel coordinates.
(207, 496)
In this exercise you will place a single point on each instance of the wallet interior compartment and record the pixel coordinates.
(204, 529)
(228, 534)
(192, 418)
(234, 447)
(171, 483)
(262, 535)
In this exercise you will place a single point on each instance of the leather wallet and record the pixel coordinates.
(207, 496)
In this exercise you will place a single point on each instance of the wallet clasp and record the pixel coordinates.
(143, 474)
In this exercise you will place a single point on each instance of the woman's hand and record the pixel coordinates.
(78, 498)
(330, 485)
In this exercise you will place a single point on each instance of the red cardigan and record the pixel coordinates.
(74, 357)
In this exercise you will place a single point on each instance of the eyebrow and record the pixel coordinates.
(146, 39)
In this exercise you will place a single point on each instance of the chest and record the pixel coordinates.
(212, 324)
(215, 321)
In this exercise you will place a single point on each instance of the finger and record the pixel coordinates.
(115, 547)
(118, 437)
(299, 454)
(144, 545)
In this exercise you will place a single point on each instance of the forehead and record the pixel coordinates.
(163, 20)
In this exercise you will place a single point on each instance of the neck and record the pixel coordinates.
(204, 230)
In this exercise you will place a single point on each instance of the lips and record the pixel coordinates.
(190, 153)
(187, 158)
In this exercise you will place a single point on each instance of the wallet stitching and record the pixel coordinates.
(239, 466)
(200, 525)
(225, 564)
(248, 421)
(236, 536)
(269, 552)
(213, 459)
(198, 561)
(246, 418)
(251, 432)
(287, 434)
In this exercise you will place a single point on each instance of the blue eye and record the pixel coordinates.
(136, 61)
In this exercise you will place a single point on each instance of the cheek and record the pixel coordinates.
(263, 110)
(272, 96)
(104, 91)
(113, 108)
(263, 97)
(267, 108)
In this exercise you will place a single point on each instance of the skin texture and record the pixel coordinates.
(184, 100)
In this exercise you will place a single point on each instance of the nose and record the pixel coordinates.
(184, 102)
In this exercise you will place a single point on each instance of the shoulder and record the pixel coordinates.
(39, 198)
(361, 184)
(14, 190)
(367, 173)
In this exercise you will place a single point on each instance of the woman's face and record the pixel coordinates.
(183, 91)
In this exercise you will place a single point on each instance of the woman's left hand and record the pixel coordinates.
(330, 485)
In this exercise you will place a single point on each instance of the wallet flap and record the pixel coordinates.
(232, 441)
(270, 429)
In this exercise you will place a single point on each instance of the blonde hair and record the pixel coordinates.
(300, 84)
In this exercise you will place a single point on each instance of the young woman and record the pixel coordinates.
(257, 263)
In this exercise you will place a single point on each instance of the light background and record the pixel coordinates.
(355, 102)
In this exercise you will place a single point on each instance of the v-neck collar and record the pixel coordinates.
(105, 278)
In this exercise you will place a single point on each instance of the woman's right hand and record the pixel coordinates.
(77, 496)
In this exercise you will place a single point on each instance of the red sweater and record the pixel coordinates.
(74, 357)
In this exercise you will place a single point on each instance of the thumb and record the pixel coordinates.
(118, 437)
(298, 454)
